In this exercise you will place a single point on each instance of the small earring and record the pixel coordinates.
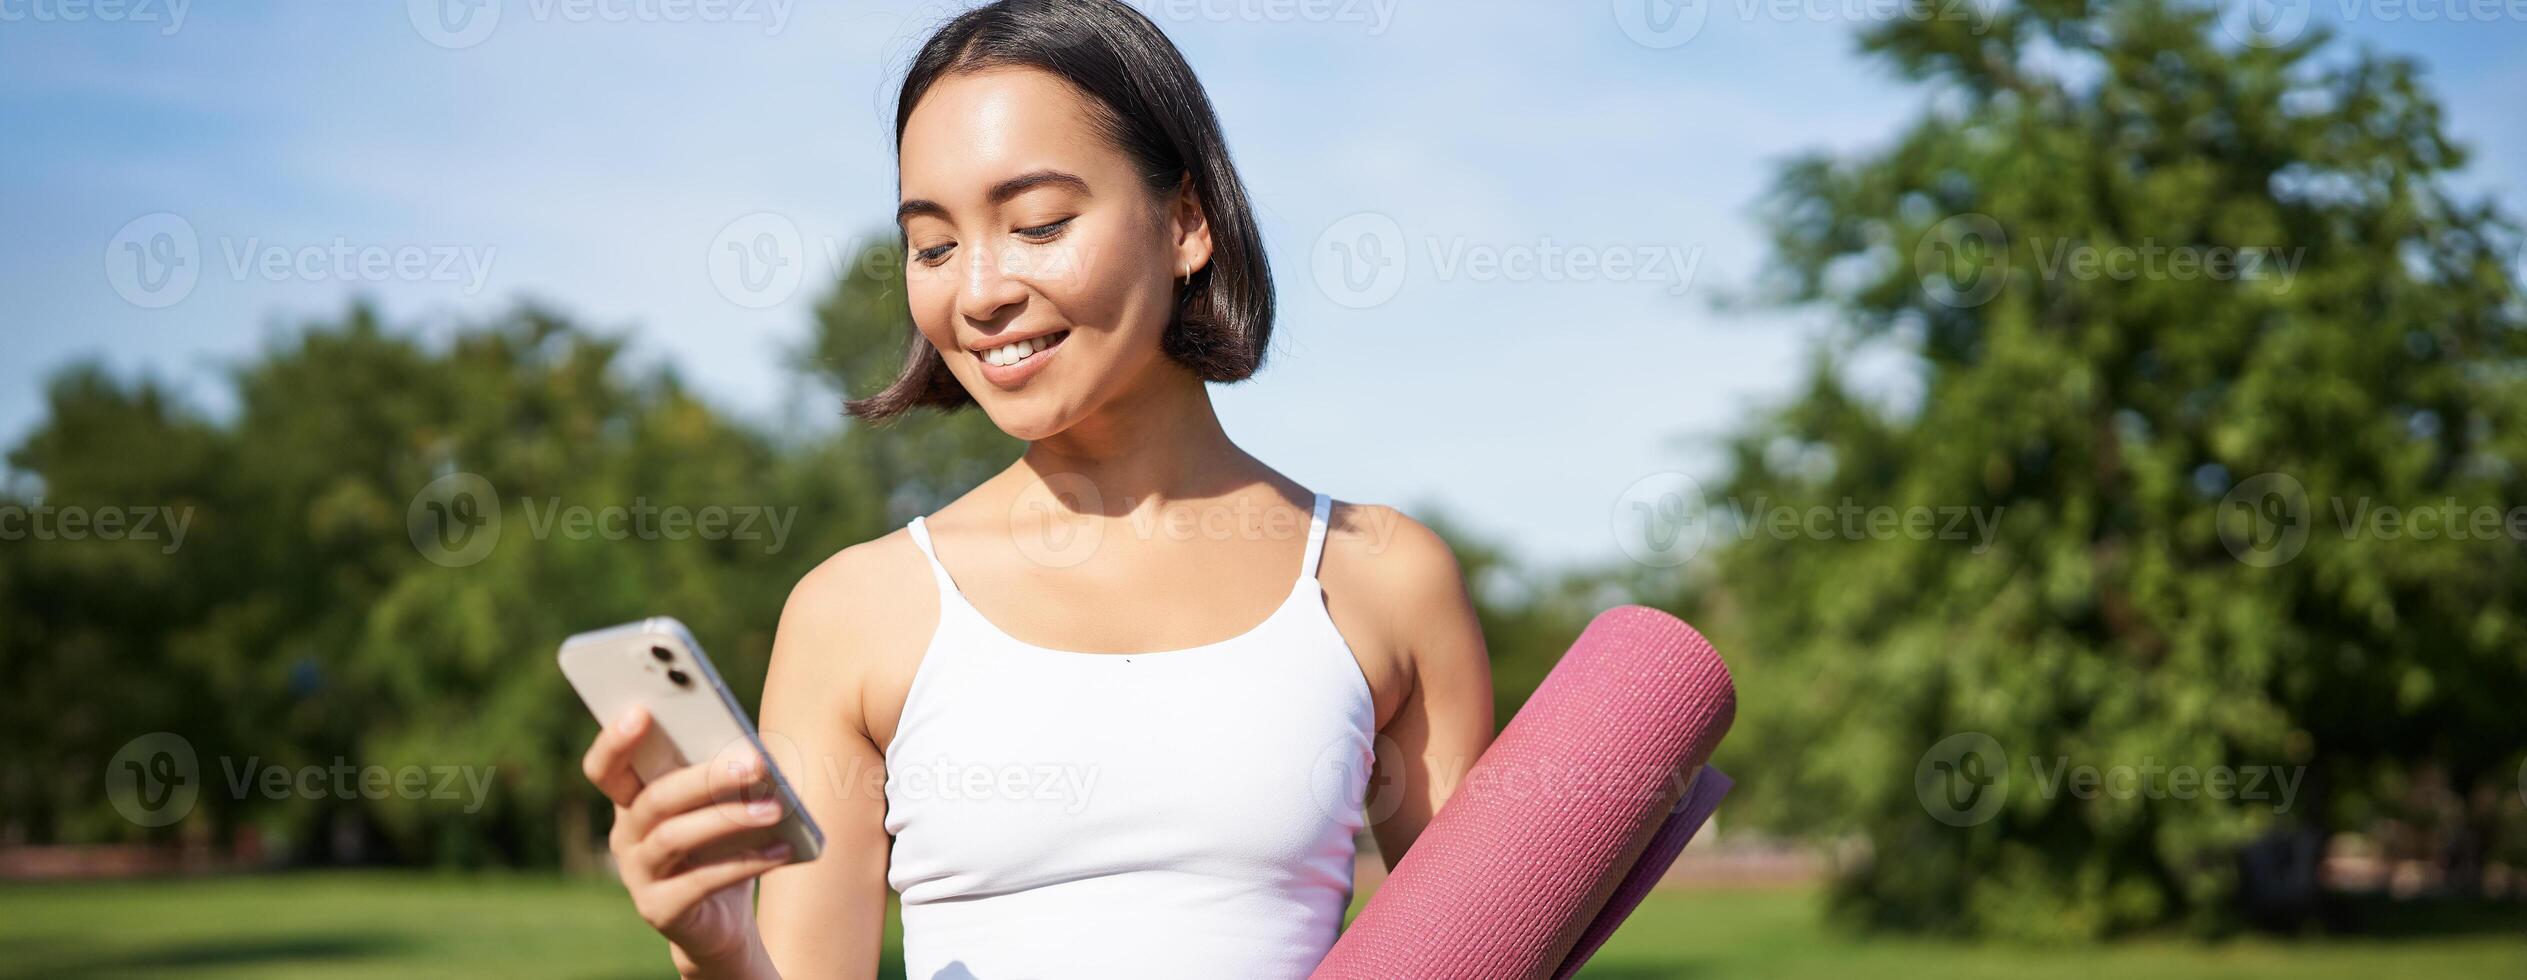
(1188, 278)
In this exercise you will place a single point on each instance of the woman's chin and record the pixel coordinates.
(1027, 422)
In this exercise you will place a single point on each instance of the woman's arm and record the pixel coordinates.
(1427, 625)
(826, 918)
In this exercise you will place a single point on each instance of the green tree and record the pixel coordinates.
(2124, 610)
(387, 540)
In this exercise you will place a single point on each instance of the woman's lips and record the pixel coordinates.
(1013, 375)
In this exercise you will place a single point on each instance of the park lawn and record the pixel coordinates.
(359, 925)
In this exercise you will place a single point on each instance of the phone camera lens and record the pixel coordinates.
(663, 654)
(680, 678)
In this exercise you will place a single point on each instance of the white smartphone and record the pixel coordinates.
(655, 663)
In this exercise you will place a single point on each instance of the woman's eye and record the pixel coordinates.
(1044, 231)
(934, 254)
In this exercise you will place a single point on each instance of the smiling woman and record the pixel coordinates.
(1128, 696)
(1093, 175)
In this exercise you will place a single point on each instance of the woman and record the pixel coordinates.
(1116, 737)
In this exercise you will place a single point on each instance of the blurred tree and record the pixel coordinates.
(2106, 413)
(385, 545)
(84, 611)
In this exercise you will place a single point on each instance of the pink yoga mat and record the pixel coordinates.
(1572, 814)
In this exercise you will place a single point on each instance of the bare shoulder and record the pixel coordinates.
(1399, 595)
(1381, 551)
(854, 628)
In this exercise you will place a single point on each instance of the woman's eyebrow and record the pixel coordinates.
(1000, 192)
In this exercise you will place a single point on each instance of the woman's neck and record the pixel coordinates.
(1155, 443)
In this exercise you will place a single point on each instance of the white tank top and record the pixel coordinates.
(1060, 815)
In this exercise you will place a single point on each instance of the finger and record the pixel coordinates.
(684, 835)
(727, 779)
(686, 890)
(608, 763)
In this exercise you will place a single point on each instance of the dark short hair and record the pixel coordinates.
(1149, 104)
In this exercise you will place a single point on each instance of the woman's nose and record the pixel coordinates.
(991, 285)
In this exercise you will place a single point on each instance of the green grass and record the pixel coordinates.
(374, 925)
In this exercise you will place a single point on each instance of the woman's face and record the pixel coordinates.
(1028, 233)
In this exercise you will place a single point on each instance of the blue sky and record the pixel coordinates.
(596, 156)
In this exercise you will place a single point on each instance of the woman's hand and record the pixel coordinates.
(705, 909)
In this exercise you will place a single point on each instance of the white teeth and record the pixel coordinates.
(1008, 354)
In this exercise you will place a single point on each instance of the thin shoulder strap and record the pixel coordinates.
(921, 539)
(1316, 535)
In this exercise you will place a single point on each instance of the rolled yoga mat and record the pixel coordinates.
(1566, 820)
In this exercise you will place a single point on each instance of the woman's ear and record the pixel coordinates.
(1189, 227)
